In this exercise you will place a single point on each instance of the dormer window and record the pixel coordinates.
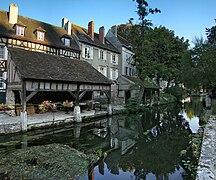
(40, 33)
(20, 30)
(66, 40)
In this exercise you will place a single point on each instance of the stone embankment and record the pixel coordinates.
(207, 161)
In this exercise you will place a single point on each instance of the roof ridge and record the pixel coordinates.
(33, 19)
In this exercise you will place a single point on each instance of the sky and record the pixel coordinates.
(187, 18)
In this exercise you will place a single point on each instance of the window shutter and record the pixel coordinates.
(98, 53)
(116, 75)
(91, 52)
(116, 58)
(105, 55)
(105, 71)
(83, 51)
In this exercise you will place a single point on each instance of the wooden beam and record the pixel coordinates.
(77, 95)
(23, 96)
(82, 94)
(72, 94)
(31, 95)
(107, 94)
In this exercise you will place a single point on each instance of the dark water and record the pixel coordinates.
(138, 146)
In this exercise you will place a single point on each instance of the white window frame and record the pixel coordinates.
(101, 55)
(20, 30)
(114, 59)
(102, 70)
(87, 52)
(40, 35)
(1, 52)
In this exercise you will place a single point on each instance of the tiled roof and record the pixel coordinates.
(52, 36)
(148, 83)
(123, 40)
(82, 34)
(41, 66)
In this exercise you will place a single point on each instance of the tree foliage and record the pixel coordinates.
(158, 52)
(211, 34)
(200, 68)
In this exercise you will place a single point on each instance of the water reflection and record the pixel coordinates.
(192, 112)
(139, 146)
(148, 145)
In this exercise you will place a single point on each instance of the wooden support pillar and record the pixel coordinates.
(77, 111)
(23, 114)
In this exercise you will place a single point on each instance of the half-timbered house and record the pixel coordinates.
(29, 34)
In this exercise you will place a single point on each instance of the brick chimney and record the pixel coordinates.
(66, 24)
(91, 29)
(13, 13)
(101, 34)
(114, 30)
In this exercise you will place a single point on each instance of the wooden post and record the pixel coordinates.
(23, 101)
(77, 112)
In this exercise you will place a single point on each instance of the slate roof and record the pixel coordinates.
(53, 33)
(82, 34)
(148, 83)
(40, 66)
(123, 41)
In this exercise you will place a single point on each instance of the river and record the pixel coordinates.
(144, 145)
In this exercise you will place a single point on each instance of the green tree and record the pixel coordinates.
(163, 54)
(211, 34)
(158, 53)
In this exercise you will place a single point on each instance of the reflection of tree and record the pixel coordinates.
(158, 150)
(194, 108)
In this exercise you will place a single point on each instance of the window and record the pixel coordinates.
(114, 59)
(103, 70)
(20, 30)
(101, 56)
(87, 52)
(126, 71)
(1, 52)
(114, 73)
(40, 35)
(67, 42)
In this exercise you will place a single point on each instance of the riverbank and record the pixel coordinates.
(12, 124)
(207, 162)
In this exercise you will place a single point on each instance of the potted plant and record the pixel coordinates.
(66, 104)
(45, 106)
